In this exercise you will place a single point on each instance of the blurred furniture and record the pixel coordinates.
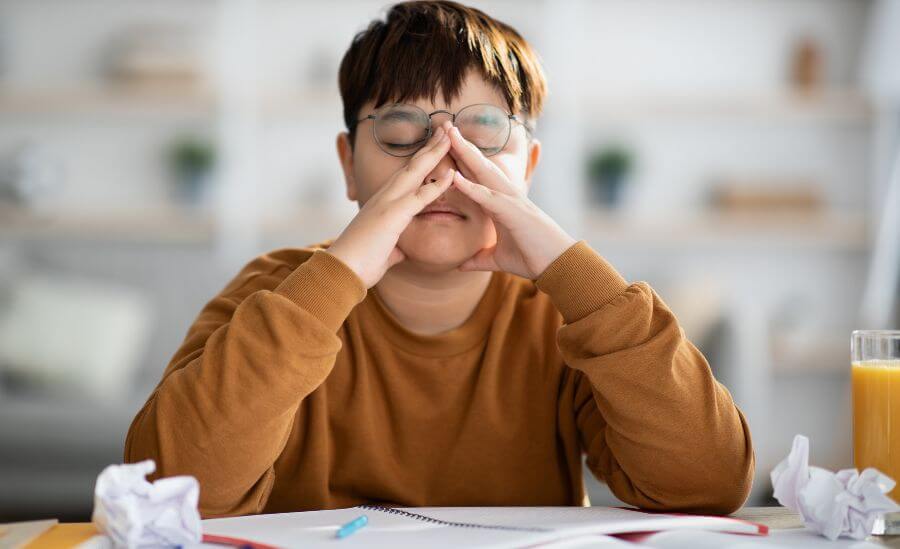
(70, 338)
(55, 440)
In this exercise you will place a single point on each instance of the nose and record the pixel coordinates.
(446, 163)
(441, 168)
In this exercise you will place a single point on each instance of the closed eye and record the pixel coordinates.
(418, 143)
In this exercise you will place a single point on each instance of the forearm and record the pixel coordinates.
(225, 407)
(667, 435)
(673, 438)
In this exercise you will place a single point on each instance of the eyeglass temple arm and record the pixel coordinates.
(525, 125)
(363, 119)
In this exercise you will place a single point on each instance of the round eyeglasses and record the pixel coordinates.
(401, 129)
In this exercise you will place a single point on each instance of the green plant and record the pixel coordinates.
(607, 171)
(191, 160)
(609, 163)
(192, 155)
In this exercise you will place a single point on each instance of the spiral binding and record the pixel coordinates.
(433, 520)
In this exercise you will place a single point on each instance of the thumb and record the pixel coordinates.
(482, 261)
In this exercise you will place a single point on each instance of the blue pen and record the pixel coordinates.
(352, 526)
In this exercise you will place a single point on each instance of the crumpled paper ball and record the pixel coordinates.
(133, 512)
(845, 503)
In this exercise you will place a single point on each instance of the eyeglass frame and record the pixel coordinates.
(510, 116)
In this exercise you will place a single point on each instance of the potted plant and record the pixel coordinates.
(191, 160)
(608, 169)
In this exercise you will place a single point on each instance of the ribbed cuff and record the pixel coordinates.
(326, 287)
(580, 281)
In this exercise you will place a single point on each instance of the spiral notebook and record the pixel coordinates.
(499, 527)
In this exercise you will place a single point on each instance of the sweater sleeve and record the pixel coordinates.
(655, 424)
(226, 403)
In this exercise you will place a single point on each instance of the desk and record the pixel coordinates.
(63, 536)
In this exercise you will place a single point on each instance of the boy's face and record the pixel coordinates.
(439, 244)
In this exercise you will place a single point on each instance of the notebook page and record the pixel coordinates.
(316, 529)
(600, 520)
(525, 526)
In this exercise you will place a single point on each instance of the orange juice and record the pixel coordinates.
(876, 417)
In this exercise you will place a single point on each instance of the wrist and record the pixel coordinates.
(341, 256)
(325, 287)
(553, 251)
(580, 281)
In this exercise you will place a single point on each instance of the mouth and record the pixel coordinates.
(444, 213)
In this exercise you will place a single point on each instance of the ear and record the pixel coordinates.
(534, 156)
(345, 155)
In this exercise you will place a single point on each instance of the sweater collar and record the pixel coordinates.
(454, 341)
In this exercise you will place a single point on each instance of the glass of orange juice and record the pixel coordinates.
(875, 375)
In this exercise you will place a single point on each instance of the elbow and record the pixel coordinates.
(727, 475)
(726, 481)
(724, 489)
(720, 496)
(741, 482)
(727, 496)
(224, 500)
(718, 488)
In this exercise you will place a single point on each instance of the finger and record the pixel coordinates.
(411, 175)
(493, 202)
(391, 190)
(461, 166)
(428, 193)
(432, 141)
(484, 260)
(483, 170)
(395, 257)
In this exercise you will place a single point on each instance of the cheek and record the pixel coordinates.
(513, 164)
(373, 169)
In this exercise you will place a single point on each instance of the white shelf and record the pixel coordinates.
(107, 99)
(826, 107)
(176, 225)
(826, 232)
(172, 225)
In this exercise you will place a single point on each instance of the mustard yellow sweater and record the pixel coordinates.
(297, 389)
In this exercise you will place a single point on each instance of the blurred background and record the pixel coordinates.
(739, 155)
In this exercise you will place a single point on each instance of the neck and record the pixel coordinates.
(431, 303)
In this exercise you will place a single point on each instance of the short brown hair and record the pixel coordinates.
(425, 46)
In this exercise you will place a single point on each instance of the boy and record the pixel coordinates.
(453, 345)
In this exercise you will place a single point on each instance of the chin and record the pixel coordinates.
(442, 247)
(437, 253)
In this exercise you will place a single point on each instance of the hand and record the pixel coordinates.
(528, 240)
(368, 245)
